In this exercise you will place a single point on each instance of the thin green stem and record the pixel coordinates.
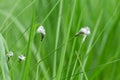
(76, 61)
(73, 47)
(64, 47)
(28, 55)
(74, 67)
(37, 73)
(91, 41)
(57, 37)
(82, 66)
(50, 12)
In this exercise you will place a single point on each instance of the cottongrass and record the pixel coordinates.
(85, 31)
(9, 55)
(21, 57)
(42, 31)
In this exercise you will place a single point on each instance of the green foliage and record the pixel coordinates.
(60, 56)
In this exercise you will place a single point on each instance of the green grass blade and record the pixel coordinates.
(28, 55)
(83, 70)
(64, 47)
(91, 41)
(57, 37)
(37, 73)
(3, 62)
(73, 46)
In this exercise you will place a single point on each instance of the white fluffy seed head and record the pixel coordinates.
(41, 30)
(10, 54)
(85, 30)
(21, 58)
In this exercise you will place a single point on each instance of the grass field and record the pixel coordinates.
(60, 55)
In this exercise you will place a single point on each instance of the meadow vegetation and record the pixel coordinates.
(60, 55)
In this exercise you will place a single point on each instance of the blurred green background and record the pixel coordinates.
(56, 56)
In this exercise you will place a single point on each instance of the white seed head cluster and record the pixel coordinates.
(41, 30)
(21, 58)
(84, 31)
(10, 54)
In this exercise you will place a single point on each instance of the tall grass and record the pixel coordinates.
(60, 56)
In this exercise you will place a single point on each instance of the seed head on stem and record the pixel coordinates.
(85, 31)
(9, 55)
(21, 58)
(41, 30)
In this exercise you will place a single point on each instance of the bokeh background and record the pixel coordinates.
(59, 55)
